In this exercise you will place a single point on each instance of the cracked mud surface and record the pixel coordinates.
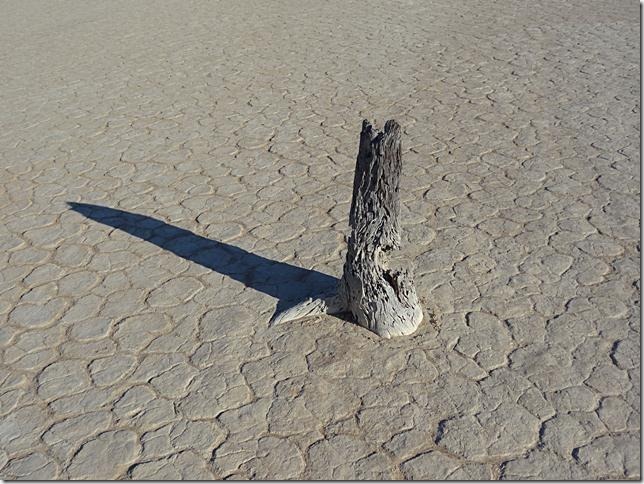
(238, 123)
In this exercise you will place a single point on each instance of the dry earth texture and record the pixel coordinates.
(173, 170)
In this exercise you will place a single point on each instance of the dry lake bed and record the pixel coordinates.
(171, 171)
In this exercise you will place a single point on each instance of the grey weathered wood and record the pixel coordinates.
(381, 298)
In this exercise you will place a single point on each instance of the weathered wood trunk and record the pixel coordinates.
(380, 298)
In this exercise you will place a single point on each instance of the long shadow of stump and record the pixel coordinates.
(285, 282)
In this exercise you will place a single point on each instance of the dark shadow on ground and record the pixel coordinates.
(283, 281)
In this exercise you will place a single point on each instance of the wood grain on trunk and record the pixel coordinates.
(380, 297)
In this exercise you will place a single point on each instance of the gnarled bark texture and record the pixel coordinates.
(381, 298)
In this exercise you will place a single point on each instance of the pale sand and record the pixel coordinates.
(239, 122)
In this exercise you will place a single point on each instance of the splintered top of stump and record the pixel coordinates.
(375, 205)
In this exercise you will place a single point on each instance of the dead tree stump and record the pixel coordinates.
(380, 298)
